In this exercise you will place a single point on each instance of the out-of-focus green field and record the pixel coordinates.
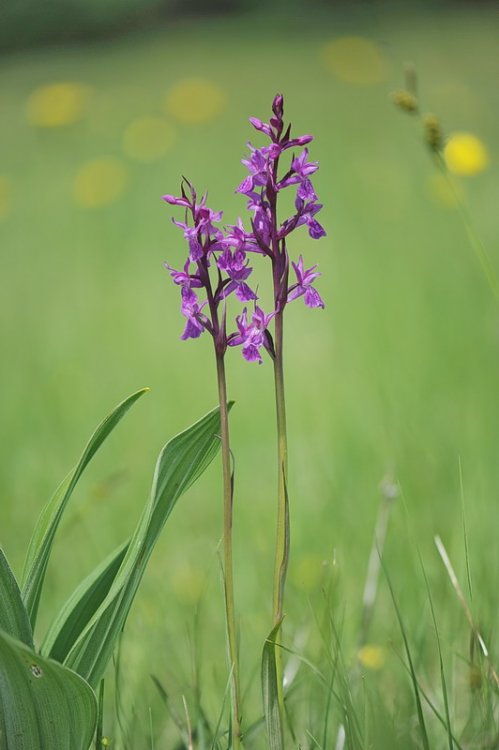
(399, 373)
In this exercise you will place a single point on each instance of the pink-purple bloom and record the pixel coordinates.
(252, 336)
(303, 286)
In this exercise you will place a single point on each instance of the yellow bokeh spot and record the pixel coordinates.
(371, 657)
(308, 572)
(356, 60)
(148, 139)
(447, 195)
(57, 104)
(188, 583)
(100, 182)
(5, 197)
(465, 154)
(195, 100)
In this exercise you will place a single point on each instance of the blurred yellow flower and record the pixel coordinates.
(356, 60)
(5, 197)
(307, 573)
(371, 657)
(57, 104)
(148, 138)
(195, 100)
(188, 583)
(100, 182)
(465, 154)
(443, 193)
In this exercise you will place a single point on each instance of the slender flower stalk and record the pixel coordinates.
(283, 536)
(205, 241)
(228, 563)
(262, 187)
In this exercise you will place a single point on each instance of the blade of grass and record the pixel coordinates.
(270, 692)
(100, 717)
(190, 745)
(465, 533)
(40, 545)
(389, 494)
(430, 703)
(214, 743)
(422, 726)
(464, 604)
(440, 657)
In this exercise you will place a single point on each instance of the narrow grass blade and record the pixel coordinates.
(430, 703)
(41, 542)
(216, 731)
(443, 681)
(422, 725)
(81, 606)
(42, 704)
(275, 734)
(467, 611)
(100, 718)
(180, 463)
(14, 619)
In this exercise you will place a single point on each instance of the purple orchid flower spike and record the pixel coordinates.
(305, 279)
(207, 242)
(262, 188)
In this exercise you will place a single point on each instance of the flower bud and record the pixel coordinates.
(405, 101)
(433, 132)
(278, 106)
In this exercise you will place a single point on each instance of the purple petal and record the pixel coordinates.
(173, 201)
(313, 298)
(244, 293)
(306, 191)
(252, 354)
(315, 230)
(259, 125)
(192, 330)
(246, 186)
(295, 292)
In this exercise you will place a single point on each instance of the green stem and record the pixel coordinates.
(283, 533)
(227, 554)
(475, 242)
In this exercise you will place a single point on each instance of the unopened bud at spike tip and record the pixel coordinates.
(278, 106)
(433, 133)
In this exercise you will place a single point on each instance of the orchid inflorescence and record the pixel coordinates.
(224, 252)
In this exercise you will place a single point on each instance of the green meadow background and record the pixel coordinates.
(397, 376)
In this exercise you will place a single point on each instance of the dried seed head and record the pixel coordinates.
(405, 101)
(433, 133)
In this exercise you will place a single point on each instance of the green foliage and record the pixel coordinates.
(41, 542)
(14, 619)
(42, 704)
(180, 462)
(81, 606)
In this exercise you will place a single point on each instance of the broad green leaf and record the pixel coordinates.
(43, 705)
(179, 464)
(14, 619)
(270, 693)
(40, 545)
(81, 605)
